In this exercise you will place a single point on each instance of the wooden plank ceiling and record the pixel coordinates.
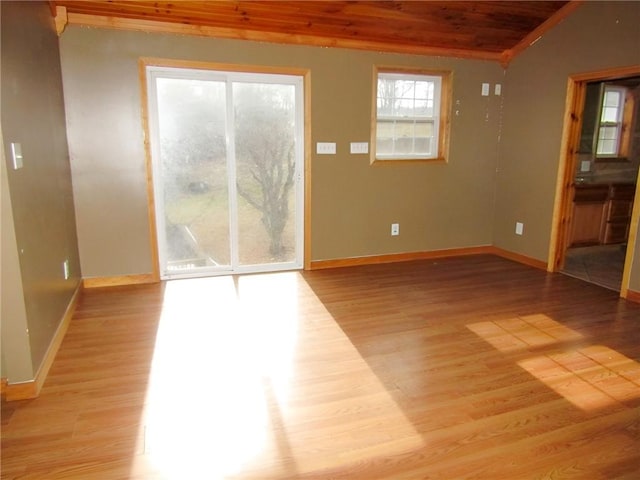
(493, 30)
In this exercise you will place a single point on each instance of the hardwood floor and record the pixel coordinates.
(473, 367)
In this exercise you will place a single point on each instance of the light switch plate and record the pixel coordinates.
(585, 166)
(485, 89)
(497, 89)
(359, 147)
(519, 228)
(16, 155)
(326, 148)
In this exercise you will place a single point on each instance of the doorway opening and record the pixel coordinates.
(227, 155)
(597, 200)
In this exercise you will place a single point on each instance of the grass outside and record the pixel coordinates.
(206, 214)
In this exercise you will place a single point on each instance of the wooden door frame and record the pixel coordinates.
(574, 105)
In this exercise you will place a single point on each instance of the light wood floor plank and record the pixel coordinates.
(474, 367)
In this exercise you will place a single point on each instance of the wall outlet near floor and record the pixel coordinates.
(519, 228)
(395, 229)
(65, 269)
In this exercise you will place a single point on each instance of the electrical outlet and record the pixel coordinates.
(519, 228)
(65, 269)
(395, 229)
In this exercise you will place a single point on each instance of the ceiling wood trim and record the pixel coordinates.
(482, 30)
(533, 37)
(61, 19)
(271, 37)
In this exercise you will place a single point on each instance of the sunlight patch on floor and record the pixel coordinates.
(589, 377)
(519, 333)
(258, 385)
(203, 360)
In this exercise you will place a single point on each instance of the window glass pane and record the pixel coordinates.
(608, 133)
(606, 147)
(612, 98)
(405, 138)
(404, 108)
(423, 132)
(609, 129)
(384, 138)
(607, 141)
(405, 97)
(609, 115)
(386, 96)
(424, 129)
(409, 98)
(265, 139)
(385, 108)
(405, 89)
(386, 87)
(404, 146)
(385, 129)
(424, 108)
(611, 104)
(423, 145)
(424, 90)
(192, 129)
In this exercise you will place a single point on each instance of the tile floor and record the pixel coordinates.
(600, 264)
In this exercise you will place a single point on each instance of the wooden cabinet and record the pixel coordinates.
(589, 213)
(601, 214)
(619, 206)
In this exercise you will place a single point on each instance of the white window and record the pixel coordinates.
(610, 122)
(411, 115)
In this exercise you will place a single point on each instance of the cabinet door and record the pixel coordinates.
(619, 210)
(587, 223)
(617, 222)
(616, 232)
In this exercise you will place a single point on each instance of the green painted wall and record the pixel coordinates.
(16, 351)
(40, 193)
(353, 204)
(597, 36)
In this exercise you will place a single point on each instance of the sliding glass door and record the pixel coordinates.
(227, 154)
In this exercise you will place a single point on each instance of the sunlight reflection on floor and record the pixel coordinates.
(236, 383)
(518, 333)
(589, 377)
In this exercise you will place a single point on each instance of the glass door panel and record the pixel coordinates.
(193, 175)
(228, 170)
(265, 155)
